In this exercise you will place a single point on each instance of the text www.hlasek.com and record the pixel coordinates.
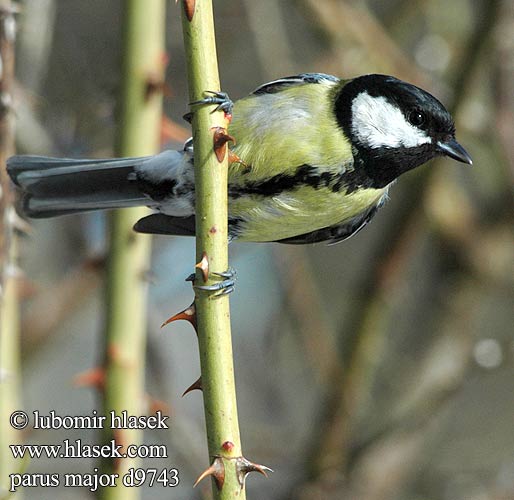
(78, 449)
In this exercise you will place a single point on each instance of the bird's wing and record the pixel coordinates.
(159, 223)
(337, 233)
(288, 81)
(166, 224)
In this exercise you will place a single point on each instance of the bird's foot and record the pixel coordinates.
(221, 99)
(223, 287)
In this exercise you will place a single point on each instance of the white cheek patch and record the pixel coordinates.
(378, 123)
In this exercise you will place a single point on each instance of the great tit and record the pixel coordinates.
(316, 157)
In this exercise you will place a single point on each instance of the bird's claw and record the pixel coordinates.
(224, 287)
(229, 273)
(223, 101)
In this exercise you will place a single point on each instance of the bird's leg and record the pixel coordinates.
(221, 99)
(223, 287)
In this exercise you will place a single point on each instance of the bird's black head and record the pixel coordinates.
(394, 126)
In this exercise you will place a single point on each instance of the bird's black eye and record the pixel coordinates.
(417, 118)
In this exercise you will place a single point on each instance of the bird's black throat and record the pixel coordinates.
(378, 167)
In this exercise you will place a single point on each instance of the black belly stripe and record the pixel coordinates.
(305, 175)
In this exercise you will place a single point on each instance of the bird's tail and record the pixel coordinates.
(60, 186)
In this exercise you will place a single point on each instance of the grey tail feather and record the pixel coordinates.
(60, 186)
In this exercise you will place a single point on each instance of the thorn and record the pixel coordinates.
(189, 9)
(216, 470)
(91, 378)
(244, 467)
(221, 137)
(233, 158)
(228, 446)
(203, 265)
(196, 385)
(188, 314)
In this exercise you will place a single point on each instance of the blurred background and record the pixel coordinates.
(381, 368)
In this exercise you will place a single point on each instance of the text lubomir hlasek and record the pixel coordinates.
(95, 421)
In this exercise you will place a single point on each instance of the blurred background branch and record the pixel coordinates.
(10, 275)
(129, 253)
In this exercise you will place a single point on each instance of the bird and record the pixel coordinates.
(316, 158)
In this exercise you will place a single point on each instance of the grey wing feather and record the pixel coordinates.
(288, 81)
(166, 224)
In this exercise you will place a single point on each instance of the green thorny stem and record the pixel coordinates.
(138, 135)
(213, 315)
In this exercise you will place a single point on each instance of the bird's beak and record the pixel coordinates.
(454, 150)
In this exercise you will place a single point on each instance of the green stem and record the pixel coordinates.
(213, 315)
(140, 114)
